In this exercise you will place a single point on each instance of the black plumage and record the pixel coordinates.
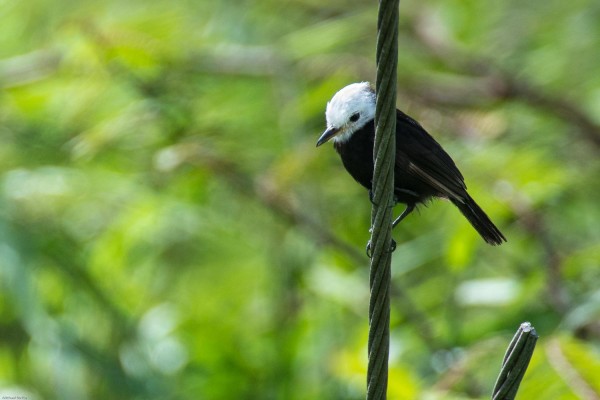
(422, 170)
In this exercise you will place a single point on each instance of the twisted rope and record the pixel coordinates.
(515, 362)
(383, 192)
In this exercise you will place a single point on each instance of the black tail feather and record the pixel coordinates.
(480, 221)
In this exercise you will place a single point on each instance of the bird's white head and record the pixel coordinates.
(349, 110)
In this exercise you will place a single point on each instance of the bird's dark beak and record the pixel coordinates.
(328, 134)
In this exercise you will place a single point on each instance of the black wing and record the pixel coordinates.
(419, 156)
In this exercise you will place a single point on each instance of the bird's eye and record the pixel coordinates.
(354, 117)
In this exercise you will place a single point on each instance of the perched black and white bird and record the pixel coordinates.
(423, 169)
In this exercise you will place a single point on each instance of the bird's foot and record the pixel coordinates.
(370, 254)
(371, 197)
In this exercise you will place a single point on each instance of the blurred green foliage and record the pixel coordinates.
(169, 231)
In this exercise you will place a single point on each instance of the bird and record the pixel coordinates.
(422, 170)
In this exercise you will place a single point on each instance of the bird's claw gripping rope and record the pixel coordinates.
(370, 254)
(371, 196)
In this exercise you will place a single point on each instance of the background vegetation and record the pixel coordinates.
(169, 231)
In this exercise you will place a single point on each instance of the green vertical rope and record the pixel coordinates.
(384, 153)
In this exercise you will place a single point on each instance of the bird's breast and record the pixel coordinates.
(357, 154)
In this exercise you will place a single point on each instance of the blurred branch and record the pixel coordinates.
(496, 84)
(57, 245)
(255, 61)
(568, 373)
(283, 204)
(534, 223)
(246, 61)
(60, 251)
(109, 368)
(488, 83)
(288, 207)
(515, 362)
(28, 68)
(568, 111)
